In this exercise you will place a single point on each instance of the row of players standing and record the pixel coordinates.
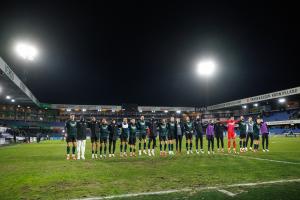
(170, 133)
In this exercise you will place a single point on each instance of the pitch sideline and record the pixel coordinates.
(191, 189)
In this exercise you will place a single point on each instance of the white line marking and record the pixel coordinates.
(189, 189)
(227, 193)
(264, 159)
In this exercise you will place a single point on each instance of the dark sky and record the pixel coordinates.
(144, 52)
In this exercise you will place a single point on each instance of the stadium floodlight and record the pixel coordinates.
(83, 109)
(206, 67)
(8, 97)
(113, 110)
(140, 111)
(244, 106)
(153, 111)
(255, 105)
(178, 111)
(28, 107)
(26, 51)
(68, 109)
(19, 106)
(166, 111)
(13, 100)
(281, 100)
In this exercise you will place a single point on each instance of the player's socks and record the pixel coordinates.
(169, 147)
(229, 144)
(140, 145)
(68, 150)
(105, 150)
(144, 145)
(234, 144)
(165, 147)
(130, 149)
(73, 150)
(240, 144)
(191, 146)
(121, 148)
(172, 147)
(125, 149)
(160, 147)
(187, 146)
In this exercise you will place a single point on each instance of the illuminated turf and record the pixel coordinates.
(40, 171)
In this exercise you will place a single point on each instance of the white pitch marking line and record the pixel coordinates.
(227, 192)
(264, 159)
(190, 189)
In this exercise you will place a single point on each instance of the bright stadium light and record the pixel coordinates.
(206, 67)
(244, 106)
(83, 109)
(255, 105)
(140, 111)
(26, 51)
(281, 100)
(8, 97)
(68, 109)
(13, 100)
(178, 111)
(166, 111)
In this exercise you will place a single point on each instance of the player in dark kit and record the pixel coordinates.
(256, 131)
(242, 126)
(189, 131)
(142, 131)
(104, 132)
(179, 134)
(152, 128)
(132, 137)
(199, 134)
(71, 136)
(81, 138)
(163, 131)
(171, 135)
(95, 134)
(113, 136)
(124, 137)
(219, 134)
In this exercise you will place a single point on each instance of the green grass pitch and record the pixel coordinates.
(40, 171)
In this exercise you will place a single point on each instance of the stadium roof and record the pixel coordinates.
(260, 98)
(12, 86)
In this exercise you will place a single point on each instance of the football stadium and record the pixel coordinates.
(221, 148)
(33, 162)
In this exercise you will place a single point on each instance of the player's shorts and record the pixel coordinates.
(231, 135)
(256, 137)
(94, 138)
(103, 139)
(124, 138)
(163, 138)
(188, 136)
(71, 138)
(209, 137)
(242, 135)
(171, 136)
(132, 140)
(142, 136)
(152, 137)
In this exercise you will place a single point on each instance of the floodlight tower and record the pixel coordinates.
(26, 51)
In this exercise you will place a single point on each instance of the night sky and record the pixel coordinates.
(145, 52)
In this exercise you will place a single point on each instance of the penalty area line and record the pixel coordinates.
(218, 188)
